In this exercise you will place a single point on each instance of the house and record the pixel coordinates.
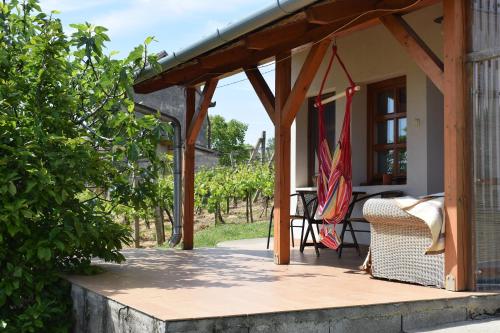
(170, 103)
(397, 123)
(427, 112)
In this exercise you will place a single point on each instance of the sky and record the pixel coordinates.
(177, 24)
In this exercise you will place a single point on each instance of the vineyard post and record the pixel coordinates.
(263, 148)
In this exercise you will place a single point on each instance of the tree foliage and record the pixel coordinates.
(71, 151)
(228, 138)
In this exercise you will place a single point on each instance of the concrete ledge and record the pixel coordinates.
(96, 313)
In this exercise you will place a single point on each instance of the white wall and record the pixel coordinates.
(374, 55)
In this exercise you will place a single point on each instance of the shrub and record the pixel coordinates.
(70, 145)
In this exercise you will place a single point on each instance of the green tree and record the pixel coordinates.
(71, 152)
(228, 138)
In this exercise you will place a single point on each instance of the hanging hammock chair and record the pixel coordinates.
(335, 172)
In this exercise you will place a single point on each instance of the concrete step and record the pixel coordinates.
(491, 325)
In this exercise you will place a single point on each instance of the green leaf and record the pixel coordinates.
(44, 253)
(99, 29)
(30, 185)
(133, 152)
(12, 188)
(60, 245)
(13, 229)
(148, 40)
(78, 26)
(18, 272)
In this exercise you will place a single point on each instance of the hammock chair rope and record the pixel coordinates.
(335, 172)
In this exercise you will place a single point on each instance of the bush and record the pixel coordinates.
(70, 145)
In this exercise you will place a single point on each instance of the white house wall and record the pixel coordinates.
(374, 55)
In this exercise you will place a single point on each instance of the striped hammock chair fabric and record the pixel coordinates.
(335, 172)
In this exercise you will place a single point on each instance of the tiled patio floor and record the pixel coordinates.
(241, 278)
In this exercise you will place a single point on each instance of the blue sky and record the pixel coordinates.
(177, 24)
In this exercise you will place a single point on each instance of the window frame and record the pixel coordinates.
(312, 132)
(373, 118)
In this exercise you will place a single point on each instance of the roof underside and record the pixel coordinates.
(311, 23)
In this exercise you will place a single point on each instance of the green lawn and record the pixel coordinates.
(212, 235)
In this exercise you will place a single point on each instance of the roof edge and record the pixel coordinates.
(258, 20)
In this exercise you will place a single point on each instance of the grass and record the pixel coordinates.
(211, 236)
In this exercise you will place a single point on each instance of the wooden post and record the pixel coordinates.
(194, 121)
(457, 142)
(304, 80)
(194, 126)
(288, 102)
(282, 162)
(188, 175)
(422, 54)
(262, 90)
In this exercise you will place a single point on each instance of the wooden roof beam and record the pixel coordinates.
(269, 37)
(201, 112)
(262, 90)
(332, 12)
(422, 54)
(283, 38)
(304, 80)
(225, 57)
(256, 46)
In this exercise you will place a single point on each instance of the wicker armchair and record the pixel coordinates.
(398, 244)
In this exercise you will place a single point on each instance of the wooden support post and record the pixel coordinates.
(287, 105)
(457, 142)
(262, 90)
(188, 176)
(194, 121)
(194, 126)
(304, 80)
(282, 162)
(427, 60)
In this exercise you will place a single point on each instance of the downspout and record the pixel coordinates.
(176, 236)
(177, 227)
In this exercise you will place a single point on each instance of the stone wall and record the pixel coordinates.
(96, 313)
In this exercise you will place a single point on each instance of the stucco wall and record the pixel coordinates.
(172, 101)
(374, 55)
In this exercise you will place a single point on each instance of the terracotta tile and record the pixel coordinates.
(174, 284)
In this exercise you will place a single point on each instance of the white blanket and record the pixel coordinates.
(429, 209)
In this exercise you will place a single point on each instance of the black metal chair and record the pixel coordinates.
(310, 212)
(347, 221)
(302, 200)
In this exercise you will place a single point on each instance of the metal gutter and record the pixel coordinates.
(176, 236)
(258, 20)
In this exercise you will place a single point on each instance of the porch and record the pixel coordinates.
(238, 288)
(282, 33)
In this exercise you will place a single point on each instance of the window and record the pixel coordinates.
(329, 119)
(387, 131)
